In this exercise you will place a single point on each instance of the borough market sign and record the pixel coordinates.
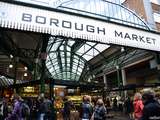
(65, 24)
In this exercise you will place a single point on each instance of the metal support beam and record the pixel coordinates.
(15, 71)
(77, 45)
(124, 80)
(43, 60)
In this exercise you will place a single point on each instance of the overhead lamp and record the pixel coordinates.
(117, 67)
(25, 68)
(122, 49)
(10, 66)
(11, 56)
(25, 74)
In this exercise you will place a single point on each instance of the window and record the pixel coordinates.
(156, 17)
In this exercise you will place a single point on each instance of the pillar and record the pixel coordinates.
(15, 70)
(15, 73)
(123, 77)
(105, 87)
(105, 81)
(43, 61)
(118, 75)
(35, 68)
(124, 82)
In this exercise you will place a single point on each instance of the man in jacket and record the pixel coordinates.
(151, 110)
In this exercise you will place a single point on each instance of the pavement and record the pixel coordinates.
(117, 116)
(111, 116)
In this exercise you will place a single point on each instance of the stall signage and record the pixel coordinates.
(69, 25)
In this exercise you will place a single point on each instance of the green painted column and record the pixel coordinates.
(124, 81)
(118, 75)
(43, 77)
(119, 78)
(16, 60)
(45, 38)
(35, 68)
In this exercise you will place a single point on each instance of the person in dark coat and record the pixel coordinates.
(128, 104)
(3, 109)
(66, 109)
(151, 110)
(115, 104)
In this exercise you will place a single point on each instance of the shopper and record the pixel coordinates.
(138, 106)
(47, 108)
(100, 111)
(41, 110)
(3, 109)
(86, 108)
(158, 97)
(66, 109)
(128, 105)
(151, 109)
(16, 113)
(115, 106)
(108, 105)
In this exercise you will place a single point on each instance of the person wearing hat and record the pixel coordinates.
(151, 110)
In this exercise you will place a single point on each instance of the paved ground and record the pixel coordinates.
(111, 116)
(117, 116)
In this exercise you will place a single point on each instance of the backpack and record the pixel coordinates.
(86, 110)
(25, 110)
(47, 106)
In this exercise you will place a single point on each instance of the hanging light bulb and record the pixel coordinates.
(10, 66)
(122, 49)
(11, 56)
(25, 68)
(25, 74)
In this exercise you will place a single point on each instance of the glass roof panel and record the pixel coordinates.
(91, 43)
(79, 70)
(52, 55)
(71, 42)
(55, 46)
(101, 47)
(87, 57)
(90, 53)
(62, 48)
(83, 49)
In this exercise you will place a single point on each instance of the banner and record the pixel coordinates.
(69, 25)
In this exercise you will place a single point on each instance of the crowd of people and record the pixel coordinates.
(143, 106)
(17, 108)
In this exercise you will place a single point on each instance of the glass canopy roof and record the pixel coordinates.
(67, 57)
